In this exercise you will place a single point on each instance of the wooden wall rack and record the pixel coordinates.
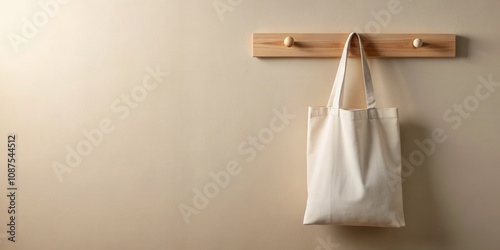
(331, 45)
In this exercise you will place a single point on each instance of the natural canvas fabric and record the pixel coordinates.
(353, 159)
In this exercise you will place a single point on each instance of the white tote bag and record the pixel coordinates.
(353, 160)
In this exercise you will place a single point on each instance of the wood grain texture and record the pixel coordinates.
(332, 44)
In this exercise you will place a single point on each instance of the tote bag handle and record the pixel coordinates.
(334, 100)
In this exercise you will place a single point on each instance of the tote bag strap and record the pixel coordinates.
(334, 100)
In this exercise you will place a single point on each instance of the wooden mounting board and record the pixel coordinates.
(332, 44)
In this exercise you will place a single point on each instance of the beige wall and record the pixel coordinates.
(73, 70)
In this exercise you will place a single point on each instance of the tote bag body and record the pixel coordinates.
(353, 160)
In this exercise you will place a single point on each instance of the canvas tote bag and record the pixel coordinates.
(353, 159)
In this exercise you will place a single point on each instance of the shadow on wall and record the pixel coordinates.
(462, 45)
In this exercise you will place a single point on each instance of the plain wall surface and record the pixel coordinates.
(214, 124)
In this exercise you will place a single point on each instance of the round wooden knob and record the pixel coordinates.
(417, 43)
(289, 41)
